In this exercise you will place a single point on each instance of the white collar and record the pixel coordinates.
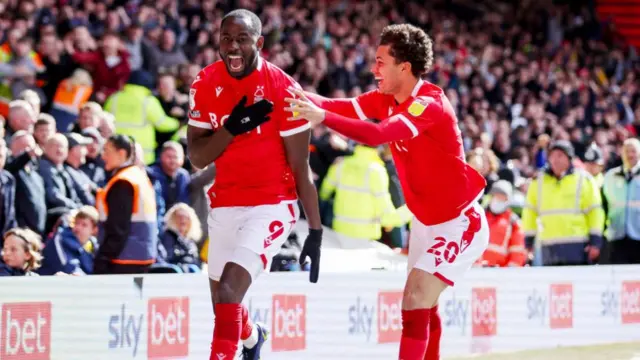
(417, 88)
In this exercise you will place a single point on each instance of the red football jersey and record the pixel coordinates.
(253, 170)
(426, 144)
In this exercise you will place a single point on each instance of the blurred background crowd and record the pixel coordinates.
(546, 93)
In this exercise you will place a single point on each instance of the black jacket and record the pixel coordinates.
(30, 205)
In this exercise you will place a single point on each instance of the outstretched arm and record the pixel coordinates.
(368, 132)
(343, 106)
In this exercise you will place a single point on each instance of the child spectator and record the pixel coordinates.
(20, 253)
(71, 248)
(182, 232)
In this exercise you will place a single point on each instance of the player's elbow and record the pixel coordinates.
(196, 159)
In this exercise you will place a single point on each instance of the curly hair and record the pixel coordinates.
(409, 44)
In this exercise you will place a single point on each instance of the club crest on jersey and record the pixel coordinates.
(192, 98)
(259, 94)
(418, 105)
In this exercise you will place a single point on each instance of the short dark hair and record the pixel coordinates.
(409, 44)
(254, 20)
(123, 142)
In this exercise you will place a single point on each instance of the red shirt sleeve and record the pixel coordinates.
(197, 104)
(286, 127)
(418, 117)
(362, 107)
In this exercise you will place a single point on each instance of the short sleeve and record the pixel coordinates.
(197, 105)
(421, 114)
(286, 127)
(368, 105)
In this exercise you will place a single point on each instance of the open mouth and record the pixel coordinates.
(379, 81)
(236, 62)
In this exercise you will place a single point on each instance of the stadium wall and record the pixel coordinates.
(344, 316)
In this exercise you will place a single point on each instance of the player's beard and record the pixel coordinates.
(249, 63)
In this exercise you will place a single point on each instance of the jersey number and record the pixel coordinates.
(449, 253)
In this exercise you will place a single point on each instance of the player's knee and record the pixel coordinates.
(226, 294)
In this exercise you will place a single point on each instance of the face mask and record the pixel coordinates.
(498, 207)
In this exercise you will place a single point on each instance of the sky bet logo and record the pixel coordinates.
(361, 318)
(167, 328)
(456, 312)
(26, 331)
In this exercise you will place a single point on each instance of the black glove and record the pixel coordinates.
(311, 249)
(244, 119)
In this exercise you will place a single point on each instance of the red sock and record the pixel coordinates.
(415, 334)
(247, 325)
(226, 333)
(435, 331)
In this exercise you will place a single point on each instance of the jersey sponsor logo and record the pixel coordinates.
(289, 322)
(218, 90)
(195, 114)
(192, 98)
(484, 312)
(389, 316)
(561, 306)
(418, 105)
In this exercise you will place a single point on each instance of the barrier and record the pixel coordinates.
(344, 316)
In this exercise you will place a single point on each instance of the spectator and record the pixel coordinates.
(20, 253)
(506, 243)
(44, 128)
(70, 96)
(173, 103)
(85, 188)
(30, 200)
(167, 55)
(362, 204)
(571, 226)
(181, 234)
(89, 116)
(173, 179)
(109, 65)
(594, 164)
(7, 193)
(107, 124)
(128, 240)
(94, 165)
(61, 194)
(139, 114)
(58, 64)
(21, 117)
(621, 192)
(71, 249)
(33, 99)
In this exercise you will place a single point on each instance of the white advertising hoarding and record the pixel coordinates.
(344, 316)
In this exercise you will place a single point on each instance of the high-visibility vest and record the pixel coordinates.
(69, 98)
(506, 241)
(623, 201)
(563, 211)
(139, 114)
(141, 246)
(362, 203)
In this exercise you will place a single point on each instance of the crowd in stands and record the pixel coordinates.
(522, 75)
